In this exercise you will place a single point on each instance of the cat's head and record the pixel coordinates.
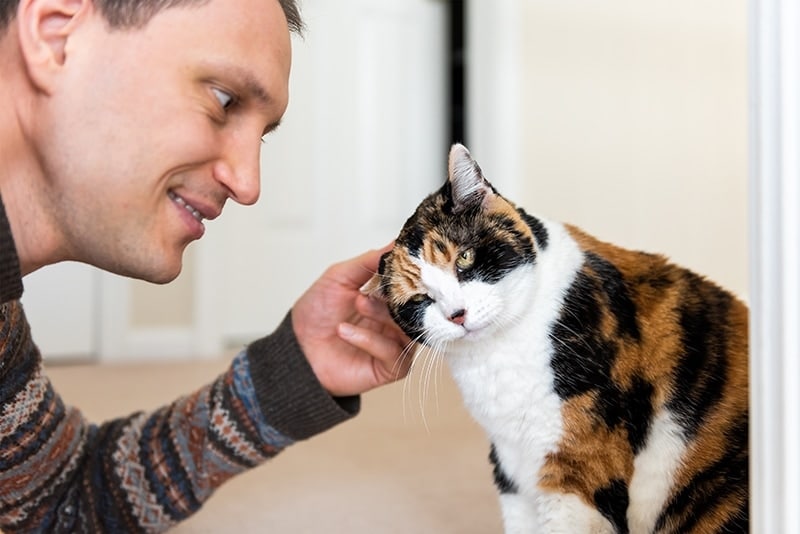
(462, 261)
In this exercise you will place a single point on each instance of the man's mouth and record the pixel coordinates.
(181, 202)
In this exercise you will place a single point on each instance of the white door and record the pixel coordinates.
(61, 303)
(363, 141)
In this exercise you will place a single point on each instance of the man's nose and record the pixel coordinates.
(239, 170)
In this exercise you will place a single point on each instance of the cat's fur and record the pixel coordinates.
(613, 385)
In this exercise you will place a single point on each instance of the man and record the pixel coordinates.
(126, 125)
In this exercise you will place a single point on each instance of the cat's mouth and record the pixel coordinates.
(455, 333)
(188, 207)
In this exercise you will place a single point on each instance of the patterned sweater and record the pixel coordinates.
(148, 471)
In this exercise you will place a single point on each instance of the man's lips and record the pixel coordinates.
(200, 213)
(181, 202)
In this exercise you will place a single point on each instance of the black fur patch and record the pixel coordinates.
(538, 229)
(631, 408)
(504, 484)
(612, 501)
(582, 359)
(409, 317)
(493, 261)
(446, 193)
(616, 292)
(702, 370)
(412, 238)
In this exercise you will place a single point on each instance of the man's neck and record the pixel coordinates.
(21, 175)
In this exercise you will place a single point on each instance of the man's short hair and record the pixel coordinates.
(137, 13)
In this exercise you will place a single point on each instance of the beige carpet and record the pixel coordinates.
(412, 462)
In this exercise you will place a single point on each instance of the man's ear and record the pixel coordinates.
(45, 27)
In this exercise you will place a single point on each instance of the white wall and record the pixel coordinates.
(625, 117)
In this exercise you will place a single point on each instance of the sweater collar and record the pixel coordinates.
(10, 276)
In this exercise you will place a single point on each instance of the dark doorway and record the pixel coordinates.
(457, 76)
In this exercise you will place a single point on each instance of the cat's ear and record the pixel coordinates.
(374, 288)
(467, 184)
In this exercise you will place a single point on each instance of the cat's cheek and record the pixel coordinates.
(409, 317)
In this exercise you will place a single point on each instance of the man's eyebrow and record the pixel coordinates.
(255, 90)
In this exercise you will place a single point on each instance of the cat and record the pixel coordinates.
(612, 384)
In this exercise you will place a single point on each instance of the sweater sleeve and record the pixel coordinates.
(148, 471)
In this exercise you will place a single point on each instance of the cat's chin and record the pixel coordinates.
(466, 335)
(479, 334)
(450, 338)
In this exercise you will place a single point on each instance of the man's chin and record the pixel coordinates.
(161, 273)
(163, 279)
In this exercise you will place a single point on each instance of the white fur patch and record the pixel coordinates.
(560, 513)
(654, 471)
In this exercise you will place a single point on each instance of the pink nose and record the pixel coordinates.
(459, 317)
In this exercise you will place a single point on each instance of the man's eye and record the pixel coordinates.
(225, 99)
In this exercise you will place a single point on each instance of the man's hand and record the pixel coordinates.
(350, 340)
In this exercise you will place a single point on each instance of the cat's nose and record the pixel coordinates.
(458, 317)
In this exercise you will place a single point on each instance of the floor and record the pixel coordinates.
(413, 461)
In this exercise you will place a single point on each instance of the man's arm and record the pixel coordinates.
(146, 472)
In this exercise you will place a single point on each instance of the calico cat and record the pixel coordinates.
(612, 384)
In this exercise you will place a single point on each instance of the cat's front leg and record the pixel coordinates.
(519, 514)
(529, 511)
(551, 514)
(566, 513)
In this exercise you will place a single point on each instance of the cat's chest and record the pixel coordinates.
(507, 383)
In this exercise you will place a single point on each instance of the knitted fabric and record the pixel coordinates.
(148, 471)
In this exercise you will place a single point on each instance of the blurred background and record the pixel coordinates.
(624, 117)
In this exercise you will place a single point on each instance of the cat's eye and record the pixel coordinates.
(419, 298)
(465, 260)
(225, 99)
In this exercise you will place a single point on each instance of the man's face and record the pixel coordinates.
(149, 131)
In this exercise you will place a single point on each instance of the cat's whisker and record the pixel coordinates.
(423, 381)
(436, 357)
(438, 377)
(418, 353)
(426, 368)
(408, 380)
(408, 351)
(433, 376)
(429, 366)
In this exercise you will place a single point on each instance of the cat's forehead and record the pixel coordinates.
(444, 231)
(438, 249)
